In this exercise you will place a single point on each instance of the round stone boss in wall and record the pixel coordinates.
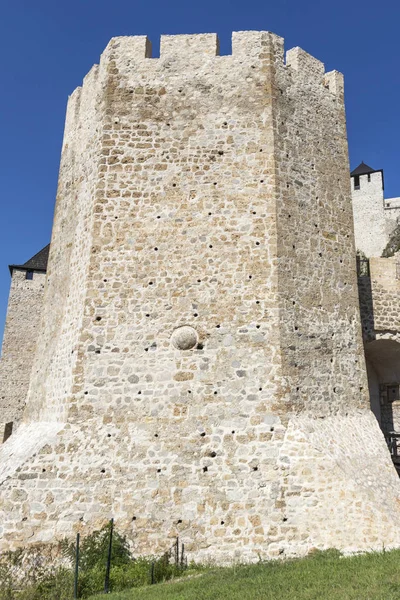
(184, 338)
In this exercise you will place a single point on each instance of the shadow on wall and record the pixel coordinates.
(365, 300)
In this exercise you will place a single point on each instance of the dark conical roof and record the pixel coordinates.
(38, 262)
(362, 169)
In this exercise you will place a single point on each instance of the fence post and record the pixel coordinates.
(177, 552)
(182, 556)
(108, 565)
(152, 578)
(76, 567)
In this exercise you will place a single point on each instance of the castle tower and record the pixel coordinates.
(374, 216)
(369, 210)
(200, 368)
(20, 335)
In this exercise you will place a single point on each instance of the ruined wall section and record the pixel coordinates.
(51, 383)
(24, 315)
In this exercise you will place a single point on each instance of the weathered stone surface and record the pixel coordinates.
(379, 294)
(19, 343)
(212, 191)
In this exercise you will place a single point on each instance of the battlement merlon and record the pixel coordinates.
(302, 62)
(310, 68)
(334, 81)
(72, 115)
(78, 102)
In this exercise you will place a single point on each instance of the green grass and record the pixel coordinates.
(325, 575)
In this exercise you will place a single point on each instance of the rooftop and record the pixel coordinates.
(364, 169)
(38, 262)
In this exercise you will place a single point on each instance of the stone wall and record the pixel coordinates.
(394, 204)
(202, 371)
(19, 343)
(379, 301)
(319, 316)
(379, 296)
(56, 358)
(366, 308)
(385, 286)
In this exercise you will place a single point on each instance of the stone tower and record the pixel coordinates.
(20, 334)
(374, 216)
(200, 368)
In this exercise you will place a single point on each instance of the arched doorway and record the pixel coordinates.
(383, 369)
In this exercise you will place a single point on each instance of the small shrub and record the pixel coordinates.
(94, 549)
(136, 574)
(46, 572)
(55, 586)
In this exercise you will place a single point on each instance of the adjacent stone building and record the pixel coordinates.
(199, 369)
(20, 334)
(379, 303)
(374, 216)
(376, 233)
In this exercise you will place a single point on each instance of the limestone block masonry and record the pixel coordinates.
(209, 193)
(18, 349)
(385, 287)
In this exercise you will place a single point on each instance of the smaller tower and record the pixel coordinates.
(375, 217)
(367, 187)
(20, 335)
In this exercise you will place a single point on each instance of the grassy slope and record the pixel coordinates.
(368, 577)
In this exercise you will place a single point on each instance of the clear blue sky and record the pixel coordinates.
(47, 46)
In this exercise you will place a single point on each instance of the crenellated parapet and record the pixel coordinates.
(184, 52)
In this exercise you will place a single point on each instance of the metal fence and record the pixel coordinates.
(393, 442)
(362, 267)
(174, 555)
